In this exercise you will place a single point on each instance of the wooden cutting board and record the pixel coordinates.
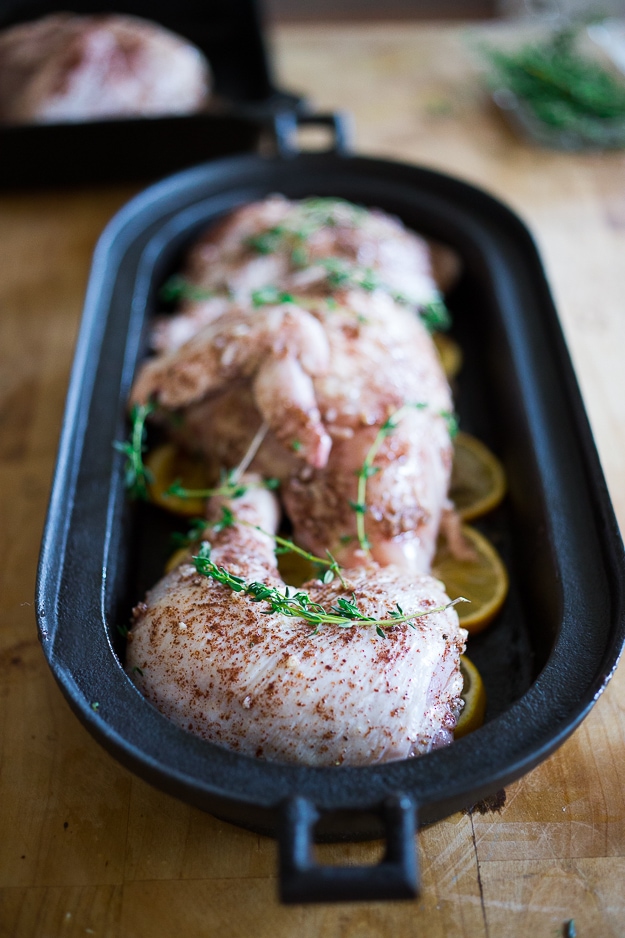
(88, 849)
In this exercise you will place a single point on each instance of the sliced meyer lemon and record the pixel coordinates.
(482, 580)
(478, 482)
(449, 353)
(296, 570)
(474, 696)
(169, 464)
(178, 557)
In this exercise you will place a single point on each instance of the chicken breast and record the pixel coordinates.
(325, 379)
(315, 248)
(263, 684)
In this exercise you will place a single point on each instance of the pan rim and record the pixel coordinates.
(366, 783)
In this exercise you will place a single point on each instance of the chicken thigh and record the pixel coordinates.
(216, 663)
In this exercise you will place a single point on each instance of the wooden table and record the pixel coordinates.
(88, 849)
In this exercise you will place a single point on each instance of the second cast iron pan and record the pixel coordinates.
(228, 32)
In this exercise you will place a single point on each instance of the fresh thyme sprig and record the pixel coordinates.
(303, 221)
(299, 605)
(564, 89)
(285, 545)
(368, 470)
(271, 296)
(341, 274)
(267, 242)
(137, 476)
(331, 563)
(452, 422)
(435, 315)
(194, 534)
(179, 288)
(229, 487)
(228, 519)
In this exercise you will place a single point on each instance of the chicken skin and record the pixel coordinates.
(309, 322)
(301, 330)
(262, 684)
(316, 248)
(278, 349)
(73, 68)
(325, 380)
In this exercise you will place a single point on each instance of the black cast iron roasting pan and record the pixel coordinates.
(545, 660)
(228, 32)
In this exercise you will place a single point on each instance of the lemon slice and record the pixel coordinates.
(296, 570)
(478, 482)
(168, 464)
(474, 696)
(178, 557)
(482, 580)
(449, 353)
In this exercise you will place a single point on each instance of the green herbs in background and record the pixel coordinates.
(576, 100)
(193, 535)
(303, 221)
(137, 476)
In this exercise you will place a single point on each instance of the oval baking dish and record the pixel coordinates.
(545, 660)
(229, 34)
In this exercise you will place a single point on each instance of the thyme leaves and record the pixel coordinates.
(137, 476)
(329, 566)
(368, 470)
(179, 288)
(270, 296)
(345, 613)
(341, 274)
(194, 533)
(564, 89)
(229, 487)
(333, 568)
(452, 422)
(435, 315)
(301, 223)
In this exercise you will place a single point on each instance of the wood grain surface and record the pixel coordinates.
(88, 849)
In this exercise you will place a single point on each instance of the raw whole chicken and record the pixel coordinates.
(301, 328)
(212, 661)
(71, 68)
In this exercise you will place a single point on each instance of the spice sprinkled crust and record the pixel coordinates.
(219, 666)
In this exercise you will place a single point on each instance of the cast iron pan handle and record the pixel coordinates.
(287, 123)
(303, 880)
